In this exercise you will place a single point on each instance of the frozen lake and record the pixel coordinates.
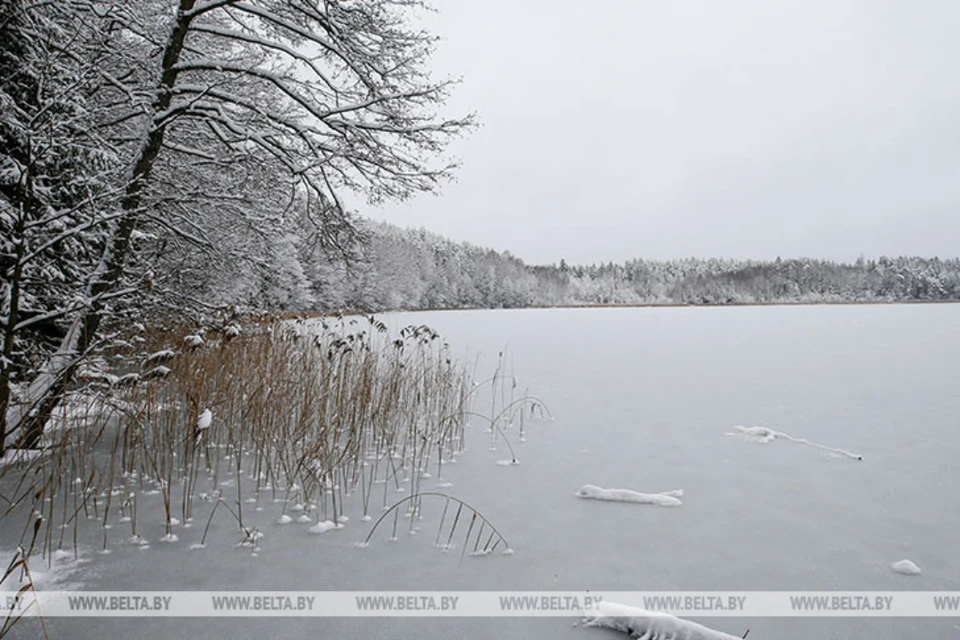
(642, 399)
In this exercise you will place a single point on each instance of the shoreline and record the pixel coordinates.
(611, 305)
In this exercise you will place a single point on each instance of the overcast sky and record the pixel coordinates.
(615, 129)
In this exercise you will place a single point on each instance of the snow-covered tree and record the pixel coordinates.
(333, 97)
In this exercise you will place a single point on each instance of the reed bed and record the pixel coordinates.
(310, 415)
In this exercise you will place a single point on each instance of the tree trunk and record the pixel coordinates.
(25, 422)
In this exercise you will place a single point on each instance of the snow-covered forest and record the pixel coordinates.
(415, 269)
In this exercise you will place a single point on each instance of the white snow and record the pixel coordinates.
(203, 422)
(193, 341)
(127, 380)
(649, 625)
(284, 519)
(159, 356)
(906, 567)
(664, 499)
(323, 527)
(157, 372)
(764, 435)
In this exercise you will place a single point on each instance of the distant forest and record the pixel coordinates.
(394, 268)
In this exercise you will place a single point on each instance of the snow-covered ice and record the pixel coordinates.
(14, 456)
(664, 499)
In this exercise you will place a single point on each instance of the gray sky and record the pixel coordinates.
(638, 128)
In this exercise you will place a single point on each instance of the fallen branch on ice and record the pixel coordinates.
(649, 625)
(762, 434)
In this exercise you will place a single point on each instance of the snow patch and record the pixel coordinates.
(284, 519)
(906, 567)
(323, 527)
(193, 341)
(665, 499)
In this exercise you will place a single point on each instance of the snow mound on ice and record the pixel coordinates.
(764, 435)
(323, 527)
(665, 499)
(906, 567)
(284, 519)
(649, 625)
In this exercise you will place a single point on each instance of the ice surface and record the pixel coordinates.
(642, 391)
(12, 456)
(906, 567)
(665, 499)
(649, 625)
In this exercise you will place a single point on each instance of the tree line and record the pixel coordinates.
(415, 269)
